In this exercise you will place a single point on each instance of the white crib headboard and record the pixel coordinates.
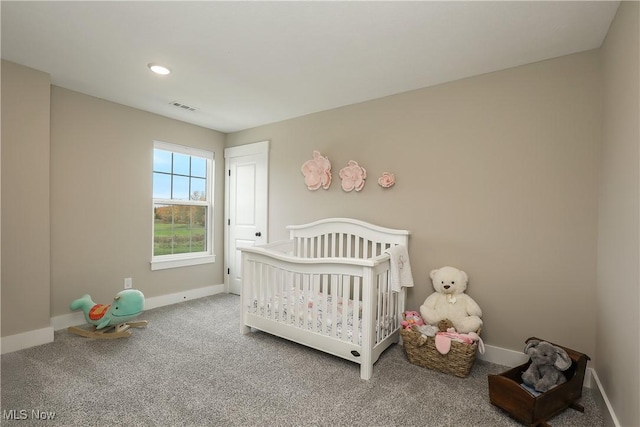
(344, 238)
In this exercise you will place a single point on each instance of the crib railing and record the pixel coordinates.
(321, 294)
(337, 245)
(343, 238)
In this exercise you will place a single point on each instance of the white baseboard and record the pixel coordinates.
(77, 318)
(606, 408)
(28, 339)
(169, 299)
(33, 338)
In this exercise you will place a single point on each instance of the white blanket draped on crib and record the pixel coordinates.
(400, 268)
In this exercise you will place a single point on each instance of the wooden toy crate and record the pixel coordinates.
(421, 351)
(506, 392)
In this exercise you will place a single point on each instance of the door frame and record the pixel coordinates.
(252, 149)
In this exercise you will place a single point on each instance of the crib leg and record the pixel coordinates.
(244, 329)
(366, 371)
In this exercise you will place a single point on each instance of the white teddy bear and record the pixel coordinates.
(450, 302)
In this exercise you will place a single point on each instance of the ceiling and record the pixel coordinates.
(245, 64)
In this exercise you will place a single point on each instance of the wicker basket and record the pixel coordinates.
(421, 350)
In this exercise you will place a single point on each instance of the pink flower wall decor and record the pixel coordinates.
(387, 180)
(317, 172)
(353, 176)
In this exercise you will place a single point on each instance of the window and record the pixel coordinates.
(182, 206)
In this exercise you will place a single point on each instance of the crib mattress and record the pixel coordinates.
(300, 311)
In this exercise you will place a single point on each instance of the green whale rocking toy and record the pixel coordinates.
(112, 320)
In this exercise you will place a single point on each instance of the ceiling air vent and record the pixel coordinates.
(183, 106)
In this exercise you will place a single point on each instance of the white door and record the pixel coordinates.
(246, 205)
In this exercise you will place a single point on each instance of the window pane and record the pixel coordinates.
(162, 224)
(199, 167)
(161, 161)
(198, 189)
(198, 229)
(179, 229)
(181, 164)
(161, 186)
(180, 188)
(177, 177)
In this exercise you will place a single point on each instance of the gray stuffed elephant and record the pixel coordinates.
(547, 363)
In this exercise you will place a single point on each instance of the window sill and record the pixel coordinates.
(162, 264)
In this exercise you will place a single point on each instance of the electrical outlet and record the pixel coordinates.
(128, 282)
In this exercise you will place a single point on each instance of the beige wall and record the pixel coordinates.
(25, 199)
(101, 231)
(496, 175)
(76, 193)
(618, 282)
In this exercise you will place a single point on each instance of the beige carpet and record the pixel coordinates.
(192, 367)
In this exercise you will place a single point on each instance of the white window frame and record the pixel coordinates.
(162, 262)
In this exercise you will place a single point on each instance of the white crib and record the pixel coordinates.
(327, 287)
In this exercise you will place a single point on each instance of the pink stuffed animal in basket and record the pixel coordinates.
(411, 318)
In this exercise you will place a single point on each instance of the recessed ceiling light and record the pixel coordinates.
(159, 69)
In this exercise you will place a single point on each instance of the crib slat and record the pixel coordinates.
(286, 292)
(379, 317)
(269, 287)
(384, 331)
(263, 290)
(274, 293)
(297, 294)
(317, 305)
(308, 296)
(302, 302)
(387, 300)
(314, 297)
(280, 289)
(334, 305)
(377, 303)
(345, 306)
(356, 310)
(326, 289)
(256, 286)
(333, 250)
(248, 286)
(390, 309)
